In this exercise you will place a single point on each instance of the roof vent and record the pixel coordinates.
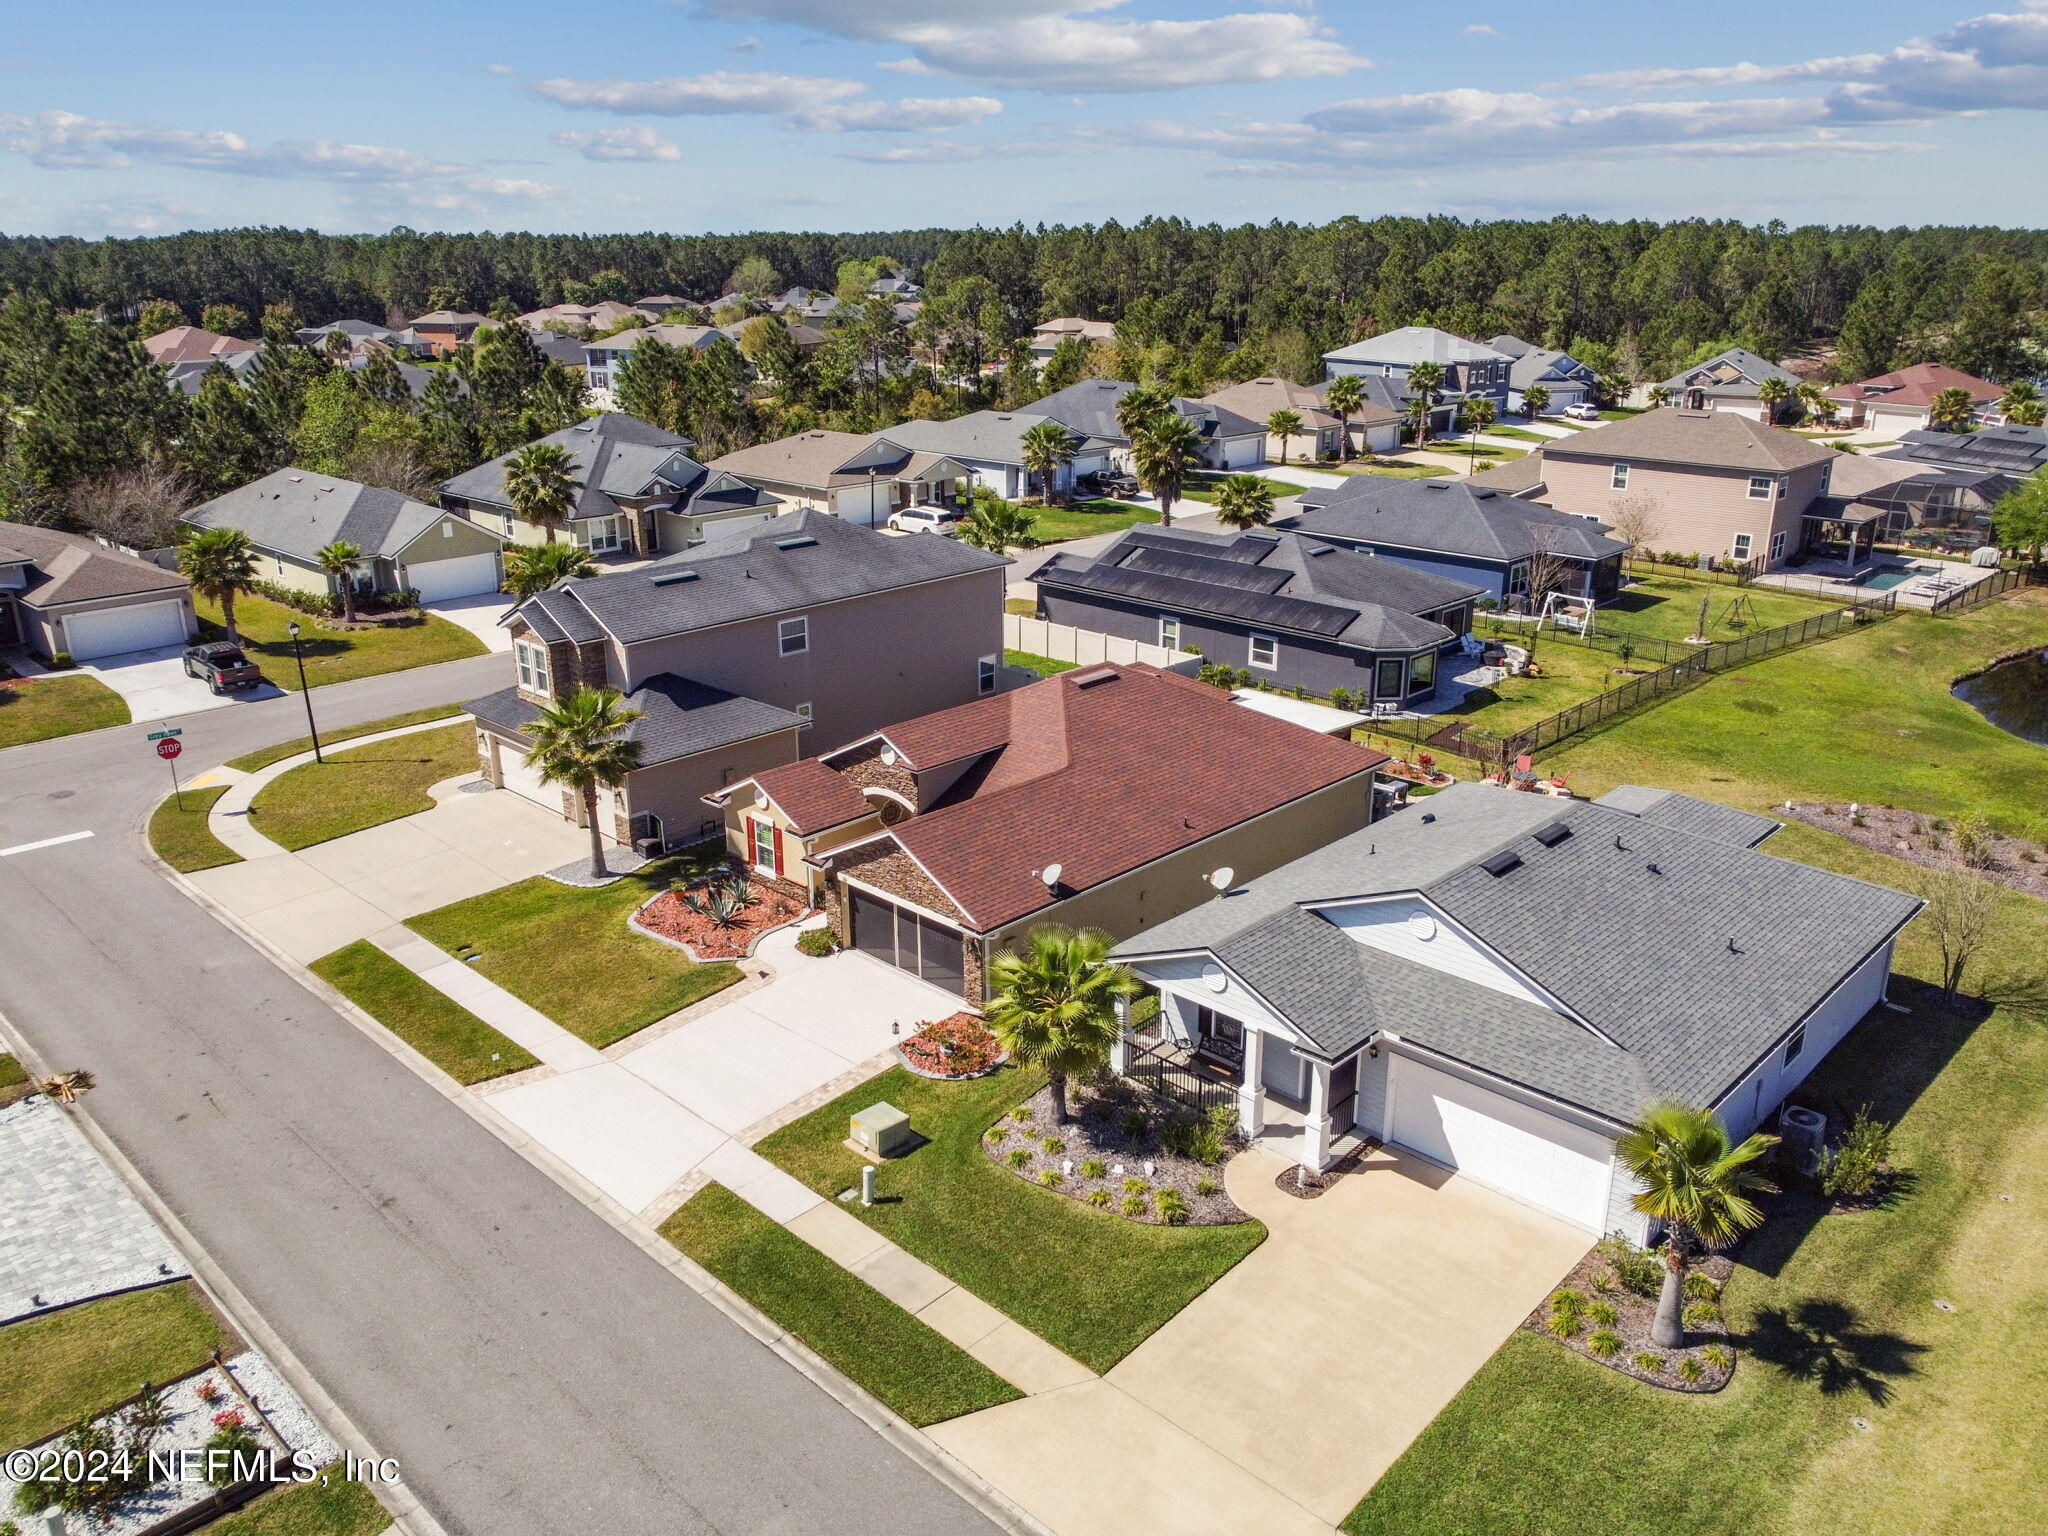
(1317, 551)
(1093, 679)
(1552, 835)
(1483, 495)
(803, 542)
(670, 578)
(1501, 863)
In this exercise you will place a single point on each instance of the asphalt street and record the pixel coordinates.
(529, 1367)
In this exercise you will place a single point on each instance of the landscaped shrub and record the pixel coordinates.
(1701, 1287)
(1021, 1112)
(238, 1440)
(1172, 1209)
(1718, 1356)
(1134, 1205)
(1567, 1313)
(1649, 1364)
(817, 942)
(994, 1135)
(1054, 1146)
(1606, 1343)
(1603, 1282)
(1099, 1198)
(1205, 1186)
(1049, 1177)
(1020, 1158)
(1639, 1272)
(1852, 1170)
(1094, 1168)
(1702, 1314)
(1691, 1372)
(1603, 1314)
(1136, 1123)
(1136, 1187)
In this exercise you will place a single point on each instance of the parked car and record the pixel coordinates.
(1582, 412)
(221, 666)
(941, 520)
(1109, 483)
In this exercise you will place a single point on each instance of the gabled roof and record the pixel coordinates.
(989, 437)
(1688, 813)
(1273, 580)
(1414, 344)
(1916, 386)
(1257, 399)
(1089, 407)
(1447, 516)
(1381, 392)
(297, 512)
(71, 568)
(1665, 931)
(1539, 365)
(695, 337)
(441, 318)
(1070, 773)
(1062, 326)
(354, 330)
(819, 460)
(1709, 439)
(615, 456)
(679, 717)
(811, 795)
(1730, 375)
(785, 565)
(190, 344)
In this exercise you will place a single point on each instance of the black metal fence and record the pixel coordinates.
(1983, 591)
(1163, 1070)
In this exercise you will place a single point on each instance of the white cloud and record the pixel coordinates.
(639, 142)
(498, 69)
(912, 115)
(1479, 29)
(719, 93)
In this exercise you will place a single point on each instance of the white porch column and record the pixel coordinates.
(1251, 1094)
(1315, 1132)
(1120, 1052)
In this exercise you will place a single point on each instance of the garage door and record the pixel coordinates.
(463, 576)
(111, 631)
(1520, 1151)
(522, 780)
(908, 941)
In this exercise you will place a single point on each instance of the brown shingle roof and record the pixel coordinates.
(812, 796)
(1917, 385)
(1709, 439)
(70, 568)
(1257, 399)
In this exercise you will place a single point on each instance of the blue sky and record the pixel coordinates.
(726, 115)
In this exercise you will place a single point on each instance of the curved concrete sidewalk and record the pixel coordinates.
(229, 818)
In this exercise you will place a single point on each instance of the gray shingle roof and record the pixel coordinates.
(71, 568)
(1414, 344)
(1693, 950)
(1689, 813)
(1730, 375)
(782, 566)
(615, 456)
(1713, 439)
(679, 717)
(989, 437)
(1089, 407)
(296, 512)
(1446, 517)
(1275, 579)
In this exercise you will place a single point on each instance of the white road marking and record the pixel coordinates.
(48, 842)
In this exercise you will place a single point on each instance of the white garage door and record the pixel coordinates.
(522, 780)
(1520, 1151)
(463, 576)
(111, 631)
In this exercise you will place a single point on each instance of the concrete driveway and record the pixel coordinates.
(479, 615)
(1286, 1389)
(154, 685)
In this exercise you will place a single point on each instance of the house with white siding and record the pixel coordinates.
(1499, 983)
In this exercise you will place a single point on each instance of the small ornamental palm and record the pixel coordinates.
(1425, 382)
(1054, 1005)
(1774, 393)
(337, 561)
(1535, 401)
(2022, 404)
(1244, 501)
(531, 569)
(1285, 425)
(1660, 394)
(1162, 453)
(577, 742)
(996, 525)
(221, 564)
(541, 484)
(1699, 1185)
(1344, 395)
(1047, 448)
(1950, 410)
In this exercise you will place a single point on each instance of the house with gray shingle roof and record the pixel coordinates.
(989, 446)
(69, 594)
(1293, 611)
(1498, 983)
(1728, 381)
(1229, 440)
(1564, 379)
(1472, 370)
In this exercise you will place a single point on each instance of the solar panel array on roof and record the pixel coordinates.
(1237, 551)
(1205, 597)
(1192, 567)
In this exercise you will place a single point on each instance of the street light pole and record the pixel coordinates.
(305, 693)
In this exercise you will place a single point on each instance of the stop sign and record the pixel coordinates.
(168, 747)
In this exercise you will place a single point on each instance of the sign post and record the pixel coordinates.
(168, 747)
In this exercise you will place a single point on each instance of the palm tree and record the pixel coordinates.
(1244, 501)
(1660, 394)
(1425, 380)
(2022, 404)
(541, 484)
(1773, 392)
(1534, 399)
(531, 569)
(221, 564)
(1285, 425)
(1047, 448)
(336, 561)
(1814, 403)
(1479, 415)
(1950, 410)
(1419, 411)
(1134, 412)
(1345, 395)
(996, 525)
(1054, 1005)
(1162, 453)
(576, 743)
(1696, 1183)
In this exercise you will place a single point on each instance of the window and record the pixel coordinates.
(1617, 480)
(1169, 633)
(1265, 652)
(764, 844)
(1739, 546)
(1777, 546)
(1795, 1045)
(1390, 678)
(447, 530)
(1762, 487)
(985, 674)
(804, 709)
(1518, 579)
(793, 636)
(1422, 671)
(532, 661)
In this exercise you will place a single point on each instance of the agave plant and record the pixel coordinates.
(717, 903)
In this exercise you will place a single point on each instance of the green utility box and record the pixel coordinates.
(882, 1130)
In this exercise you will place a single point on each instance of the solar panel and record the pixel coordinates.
(1203, 597)
(1227, 573)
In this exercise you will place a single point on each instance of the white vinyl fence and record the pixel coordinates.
(1087, 647)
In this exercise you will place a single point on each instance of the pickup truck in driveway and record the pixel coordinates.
(221, 666)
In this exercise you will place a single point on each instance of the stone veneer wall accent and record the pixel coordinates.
(888, 868)
(866, 770)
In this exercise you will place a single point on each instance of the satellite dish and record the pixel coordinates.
(888, 757)
(1051, 876)
(1221, 878)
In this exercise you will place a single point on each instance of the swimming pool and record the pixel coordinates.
(1895, 576)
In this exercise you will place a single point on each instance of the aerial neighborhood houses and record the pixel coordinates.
(1374, 426)
(989, 447)
(1905, 400)
(63, 594)
(1731, 382)
(1564, 380)
(863, 477)
(1227, 440)
(1468, 370)
(1047, 335)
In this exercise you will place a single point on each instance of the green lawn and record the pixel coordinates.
(14, 1083)
(337, 655)
(361, 786)
(1044, 666)
(1835, 1316)
(1488, 452)
(1571, 675)
(569, 953)
(438, 1027)
(179, 833)
(249, 762)
(1519, 434)
(1091, 1283)
(1667, 607)
(58, 1369)
(862, 1333)
(1201, 486)
(332, 1506)
(1050, 525)
(37, 708)
(1392, 471)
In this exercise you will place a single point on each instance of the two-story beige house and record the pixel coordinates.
(741, 651)
(1711, 483)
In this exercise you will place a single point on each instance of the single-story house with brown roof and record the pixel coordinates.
(862, 477)
(1899, 401)
(1374, 428)
(938, 842)
(66, 594)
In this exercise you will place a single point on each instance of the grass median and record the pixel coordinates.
(38, 708)
(438, 1027)
(337, 655)
(862, 1333)
(179, 833)
(361, 787)
(249, 762)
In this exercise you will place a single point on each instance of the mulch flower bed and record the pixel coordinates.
(1600, 1282)
(957, 1046)
(1932, 841)
(669, 917)
(1115, 1155)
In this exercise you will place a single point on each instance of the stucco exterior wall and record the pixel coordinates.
(463, 538)
(675, 791)
(1697, 510)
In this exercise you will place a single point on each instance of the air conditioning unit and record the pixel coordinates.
(1805, 1133)
(647, 847)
